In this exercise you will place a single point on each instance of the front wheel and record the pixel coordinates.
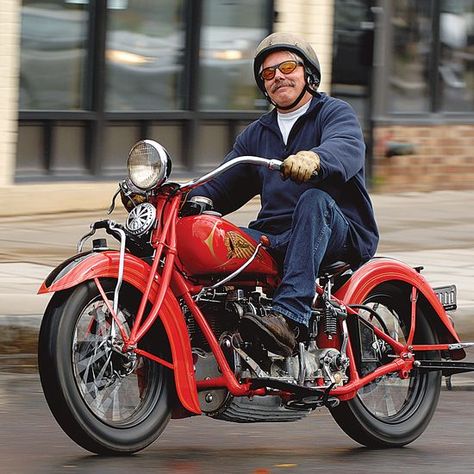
(106, 401)
(390, 411)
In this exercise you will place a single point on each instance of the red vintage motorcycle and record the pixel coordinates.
(136, 336)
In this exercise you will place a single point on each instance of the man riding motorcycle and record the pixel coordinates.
(323, 212)
(173, 323)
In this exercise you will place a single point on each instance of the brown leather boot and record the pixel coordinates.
(273, 331)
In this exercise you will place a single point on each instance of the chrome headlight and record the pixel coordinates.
(149, 164)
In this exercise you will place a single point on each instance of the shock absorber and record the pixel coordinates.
(329, 314)
(330, 320)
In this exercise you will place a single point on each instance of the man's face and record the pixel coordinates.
(284, 89)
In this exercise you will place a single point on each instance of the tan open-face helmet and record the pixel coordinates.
(295, 44)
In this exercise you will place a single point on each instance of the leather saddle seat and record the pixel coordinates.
(334, 269)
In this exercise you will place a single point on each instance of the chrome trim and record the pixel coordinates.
(84, 238)
(141, 219)
(345, 332)
(460, 345)
(160, 153)
(123, 238)
(229, 277)
(302, 368)
(250, 160)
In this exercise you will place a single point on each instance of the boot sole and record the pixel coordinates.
(249, 323)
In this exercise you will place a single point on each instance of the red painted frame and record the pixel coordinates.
(167, 238)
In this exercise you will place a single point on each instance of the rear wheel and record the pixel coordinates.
(390, 411)
(105, 400)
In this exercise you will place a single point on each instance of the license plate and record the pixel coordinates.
(447, 296)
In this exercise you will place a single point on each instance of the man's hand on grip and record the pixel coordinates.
(301, 167)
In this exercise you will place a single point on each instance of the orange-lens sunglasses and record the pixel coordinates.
(286, 67)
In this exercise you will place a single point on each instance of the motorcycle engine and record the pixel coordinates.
(223, 310)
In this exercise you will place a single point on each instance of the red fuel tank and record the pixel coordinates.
(208, 245)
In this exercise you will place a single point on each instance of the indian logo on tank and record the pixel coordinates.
(237, 246)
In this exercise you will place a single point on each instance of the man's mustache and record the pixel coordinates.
(277, 85)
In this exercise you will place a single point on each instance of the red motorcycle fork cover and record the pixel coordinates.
(210, 245)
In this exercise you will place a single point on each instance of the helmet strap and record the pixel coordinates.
(312, 83)
(296, 101)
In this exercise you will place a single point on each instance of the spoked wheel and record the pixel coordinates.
(390, 411)
(105, 400)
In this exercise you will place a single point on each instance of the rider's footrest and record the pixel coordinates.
(299, 390)
(312, 403)
(447, 366)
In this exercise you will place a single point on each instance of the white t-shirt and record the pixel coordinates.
(286, 121)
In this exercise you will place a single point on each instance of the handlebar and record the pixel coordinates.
(118, 232)
(250, 160)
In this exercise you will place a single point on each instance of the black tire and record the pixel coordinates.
(409, 404)
(107, 403)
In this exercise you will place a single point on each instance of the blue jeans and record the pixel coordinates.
(319, 235)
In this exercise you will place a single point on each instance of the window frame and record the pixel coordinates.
(96, 118)
(383, 60)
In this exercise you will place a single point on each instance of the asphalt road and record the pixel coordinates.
(433, 229)
(32, 442)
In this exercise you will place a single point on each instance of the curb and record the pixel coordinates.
(19, 334)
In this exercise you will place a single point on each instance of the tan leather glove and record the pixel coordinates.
(301, 167)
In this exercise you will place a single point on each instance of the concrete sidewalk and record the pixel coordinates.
(435, 230)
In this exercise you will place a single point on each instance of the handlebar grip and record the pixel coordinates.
(107, 225)
(277, 164)
(101, 224)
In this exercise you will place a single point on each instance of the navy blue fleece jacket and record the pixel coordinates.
(330, 129)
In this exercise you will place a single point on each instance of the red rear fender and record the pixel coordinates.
(92, 265)
(382, 270)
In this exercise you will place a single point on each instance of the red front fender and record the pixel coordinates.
(92, 265)
(381, 270)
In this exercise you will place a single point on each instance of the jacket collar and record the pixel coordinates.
(270, 118)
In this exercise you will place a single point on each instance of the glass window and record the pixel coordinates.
(118, 140)
(144, 55)
(212, 144)
(53, 54)
(456, 68)
(409, 89)
(231, 30)
(352, 53)
(68, 149)
(30, 159)
(169, 134)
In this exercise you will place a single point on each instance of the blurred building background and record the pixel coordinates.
(81, 81)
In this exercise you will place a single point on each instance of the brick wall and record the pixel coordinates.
(313, 19)
(443, 158)
(9, 56)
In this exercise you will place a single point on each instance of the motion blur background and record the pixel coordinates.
(81, 81)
